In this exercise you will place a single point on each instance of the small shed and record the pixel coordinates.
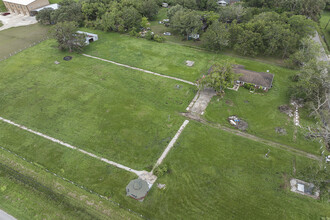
(89, 37)
(137, 189)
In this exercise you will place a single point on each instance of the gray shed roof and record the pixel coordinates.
(137, 189)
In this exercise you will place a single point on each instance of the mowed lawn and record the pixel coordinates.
(124, 115)
(261, 111)
(216, 175)
(18, 38)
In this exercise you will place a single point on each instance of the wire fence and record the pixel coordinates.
(45, 189)
(24, 48)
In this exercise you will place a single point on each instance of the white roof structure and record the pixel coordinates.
(20, 2)
(52, 6)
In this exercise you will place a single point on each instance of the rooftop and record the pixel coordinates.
(21, 2)
(256, 78)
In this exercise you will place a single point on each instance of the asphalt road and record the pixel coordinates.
(5, 216)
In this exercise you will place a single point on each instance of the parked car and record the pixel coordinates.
(167, 34)
(5, 13)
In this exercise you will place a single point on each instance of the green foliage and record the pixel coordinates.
(249, 86)
(134, 33)
(217, 36)
(67, 38)
(45, 16)
(161, 170)
(158, 38)
(220, 77)
(307, 52)
(149, 35)
(308, 8)
(319, 176)
(69, 11)
(186, 22)
(145, 23)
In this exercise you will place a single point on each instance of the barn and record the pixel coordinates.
(24, 7)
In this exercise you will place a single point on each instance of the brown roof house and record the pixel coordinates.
(24, 7)
(258, 79)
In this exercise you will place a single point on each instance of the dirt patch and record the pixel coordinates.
(238, 123)
(229, 102)
(280, 131)
(286, 110)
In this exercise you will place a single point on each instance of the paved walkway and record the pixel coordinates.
(201, 101)
(142, 70)
(171, 144)
(252, 137)
(72, 147)
(5, 216)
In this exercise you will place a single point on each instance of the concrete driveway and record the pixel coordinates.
(16, 20)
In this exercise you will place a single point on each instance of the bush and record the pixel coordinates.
(249, 86)
(149, 35)
(134, 33)
(161, 170)
(158, 38)
(260, 89)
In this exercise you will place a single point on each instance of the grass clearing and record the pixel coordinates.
(217, 175)
(124, 115)
(262, 113)
(33, 193)
(18, 38)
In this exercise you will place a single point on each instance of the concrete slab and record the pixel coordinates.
(16, 20)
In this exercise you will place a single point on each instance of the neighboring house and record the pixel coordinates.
(24, 7)
(258, 79)
(89, 37)
(52, 6)
(165, 5)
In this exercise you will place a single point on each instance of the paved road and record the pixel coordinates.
(5, 216)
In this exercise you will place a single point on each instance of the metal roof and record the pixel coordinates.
(137, 189)
(20, 2)
(52, 6)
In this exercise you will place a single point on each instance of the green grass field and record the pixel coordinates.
(325, 17)
(122, 114)
(262, 114)
(15, 39)
(262, 111)
(129, 117)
